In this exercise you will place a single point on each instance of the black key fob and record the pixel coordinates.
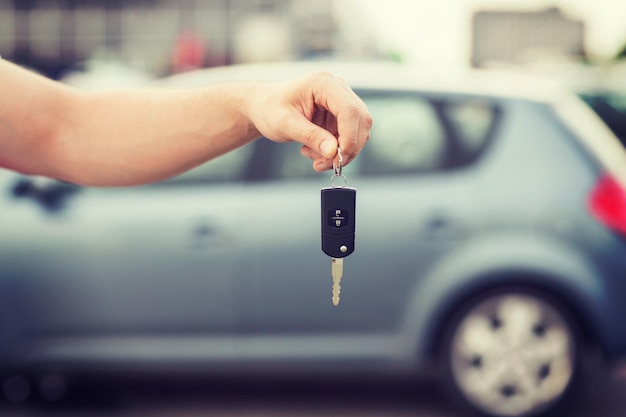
(338, 221)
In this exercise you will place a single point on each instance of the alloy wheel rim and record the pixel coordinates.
(512, 355)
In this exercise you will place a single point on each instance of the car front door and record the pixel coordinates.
(145, 273)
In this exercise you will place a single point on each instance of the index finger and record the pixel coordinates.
(353, 119)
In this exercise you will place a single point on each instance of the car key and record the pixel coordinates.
(338, 225)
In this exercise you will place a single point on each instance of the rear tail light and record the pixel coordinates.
(607, 203)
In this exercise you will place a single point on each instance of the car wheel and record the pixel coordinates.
(510, 354)
(16, 388)
(52, 387)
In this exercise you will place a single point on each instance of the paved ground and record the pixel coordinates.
(283, 399)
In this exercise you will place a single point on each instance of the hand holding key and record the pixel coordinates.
(338, 224)
(319, 110)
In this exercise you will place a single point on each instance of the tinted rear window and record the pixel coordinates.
(611, 107)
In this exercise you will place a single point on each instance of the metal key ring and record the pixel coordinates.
(338, 169)
(332, 180)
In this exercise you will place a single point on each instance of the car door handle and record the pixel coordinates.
(203, 230)
(206, 235)
(440, 225)
(437, 223)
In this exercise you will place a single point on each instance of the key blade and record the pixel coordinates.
(336, 271)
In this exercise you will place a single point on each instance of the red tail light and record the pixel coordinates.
(607, 203)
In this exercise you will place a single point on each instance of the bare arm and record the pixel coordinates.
(141, 136)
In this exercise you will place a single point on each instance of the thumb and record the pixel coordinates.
(315, 137)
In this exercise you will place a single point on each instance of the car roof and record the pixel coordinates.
(386, 76)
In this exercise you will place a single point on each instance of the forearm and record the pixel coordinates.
(126, 138)
(116, 138)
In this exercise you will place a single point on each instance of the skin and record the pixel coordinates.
(123, 138)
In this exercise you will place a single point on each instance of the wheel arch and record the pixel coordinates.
(550, 267)
(523, 281)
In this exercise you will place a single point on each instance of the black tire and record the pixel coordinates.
(511, 352)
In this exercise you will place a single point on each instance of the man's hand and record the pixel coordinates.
(319, 110)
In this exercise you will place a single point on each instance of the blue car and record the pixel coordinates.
(490, 251)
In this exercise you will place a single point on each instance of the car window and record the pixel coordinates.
(407, 136)
(231, 166)
(412, 133)
(611, 107)
(471, 121)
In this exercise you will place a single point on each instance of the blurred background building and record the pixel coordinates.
(154, 38)
(165, 36)
(515, 37)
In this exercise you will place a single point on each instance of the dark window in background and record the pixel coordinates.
(611, 107)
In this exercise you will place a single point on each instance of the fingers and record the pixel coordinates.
(320, 163)
(320, 111)
(314, 137)
(353, 121)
